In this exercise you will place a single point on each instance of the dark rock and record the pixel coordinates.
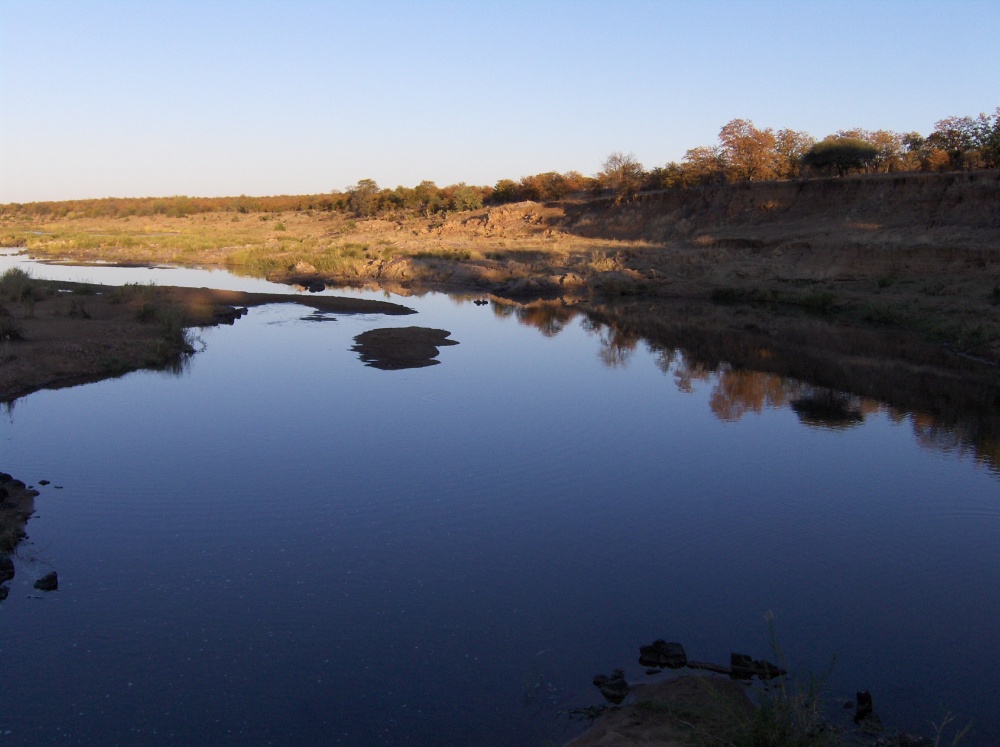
(5, 478)
(6, 569)
(4, 591)
(864, 714)
(3, 493)
(662, 654)
(710, 667)
(614, 688)
(742, 666)
(865, 708)
(16, 484)
(316, 286)
(768, 671)
(43, 482)
(48, 582)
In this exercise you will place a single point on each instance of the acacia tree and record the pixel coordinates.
(749, 152)
(890, 146)
(840, 154)
(621, 173)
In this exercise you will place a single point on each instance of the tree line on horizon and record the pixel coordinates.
(743, 152)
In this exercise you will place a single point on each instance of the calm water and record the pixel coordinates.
(282, 545)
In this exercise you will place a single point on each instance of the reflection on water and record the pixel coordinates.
(952, 403)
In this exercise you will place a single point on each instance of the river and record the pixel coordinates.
(280, 544)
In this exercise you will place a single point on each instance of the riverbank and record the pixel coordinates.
(915, 252)
(55, 334)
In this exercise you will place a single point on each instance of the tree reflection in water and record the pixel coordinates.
(831, 377)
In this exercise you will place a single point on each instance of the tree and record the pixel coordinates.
(621, 173)
(428, 197)
(988, 139)
(363, 198)
(840, 154)
(889, 145)
(505, 191)
(464, 197)
(749, 152)
(703, 166)
(956, 136)
(791, 146)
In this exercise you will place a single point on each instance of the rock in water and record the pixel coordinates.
(614, 688)
(768, 671)
(6, 568)
(48, 582)
(865, 708)
(662, 654)
(865, 716)
(742, 666)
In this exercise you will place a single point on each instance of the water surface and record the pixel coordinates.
(282, 544)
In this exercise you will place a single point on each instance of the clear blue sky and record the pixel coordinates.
(139, 98)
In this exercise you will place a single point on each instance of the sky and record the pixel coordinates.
(226, 97)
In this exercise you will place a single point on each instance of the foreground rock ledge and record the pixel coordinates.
(675, 713)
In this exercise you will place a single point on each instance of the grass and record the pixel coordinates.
(787, 712)
(176, 338)
(340, 258)
(940, 729)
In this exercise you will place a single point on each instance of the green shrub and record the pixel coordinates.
(17, 286)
